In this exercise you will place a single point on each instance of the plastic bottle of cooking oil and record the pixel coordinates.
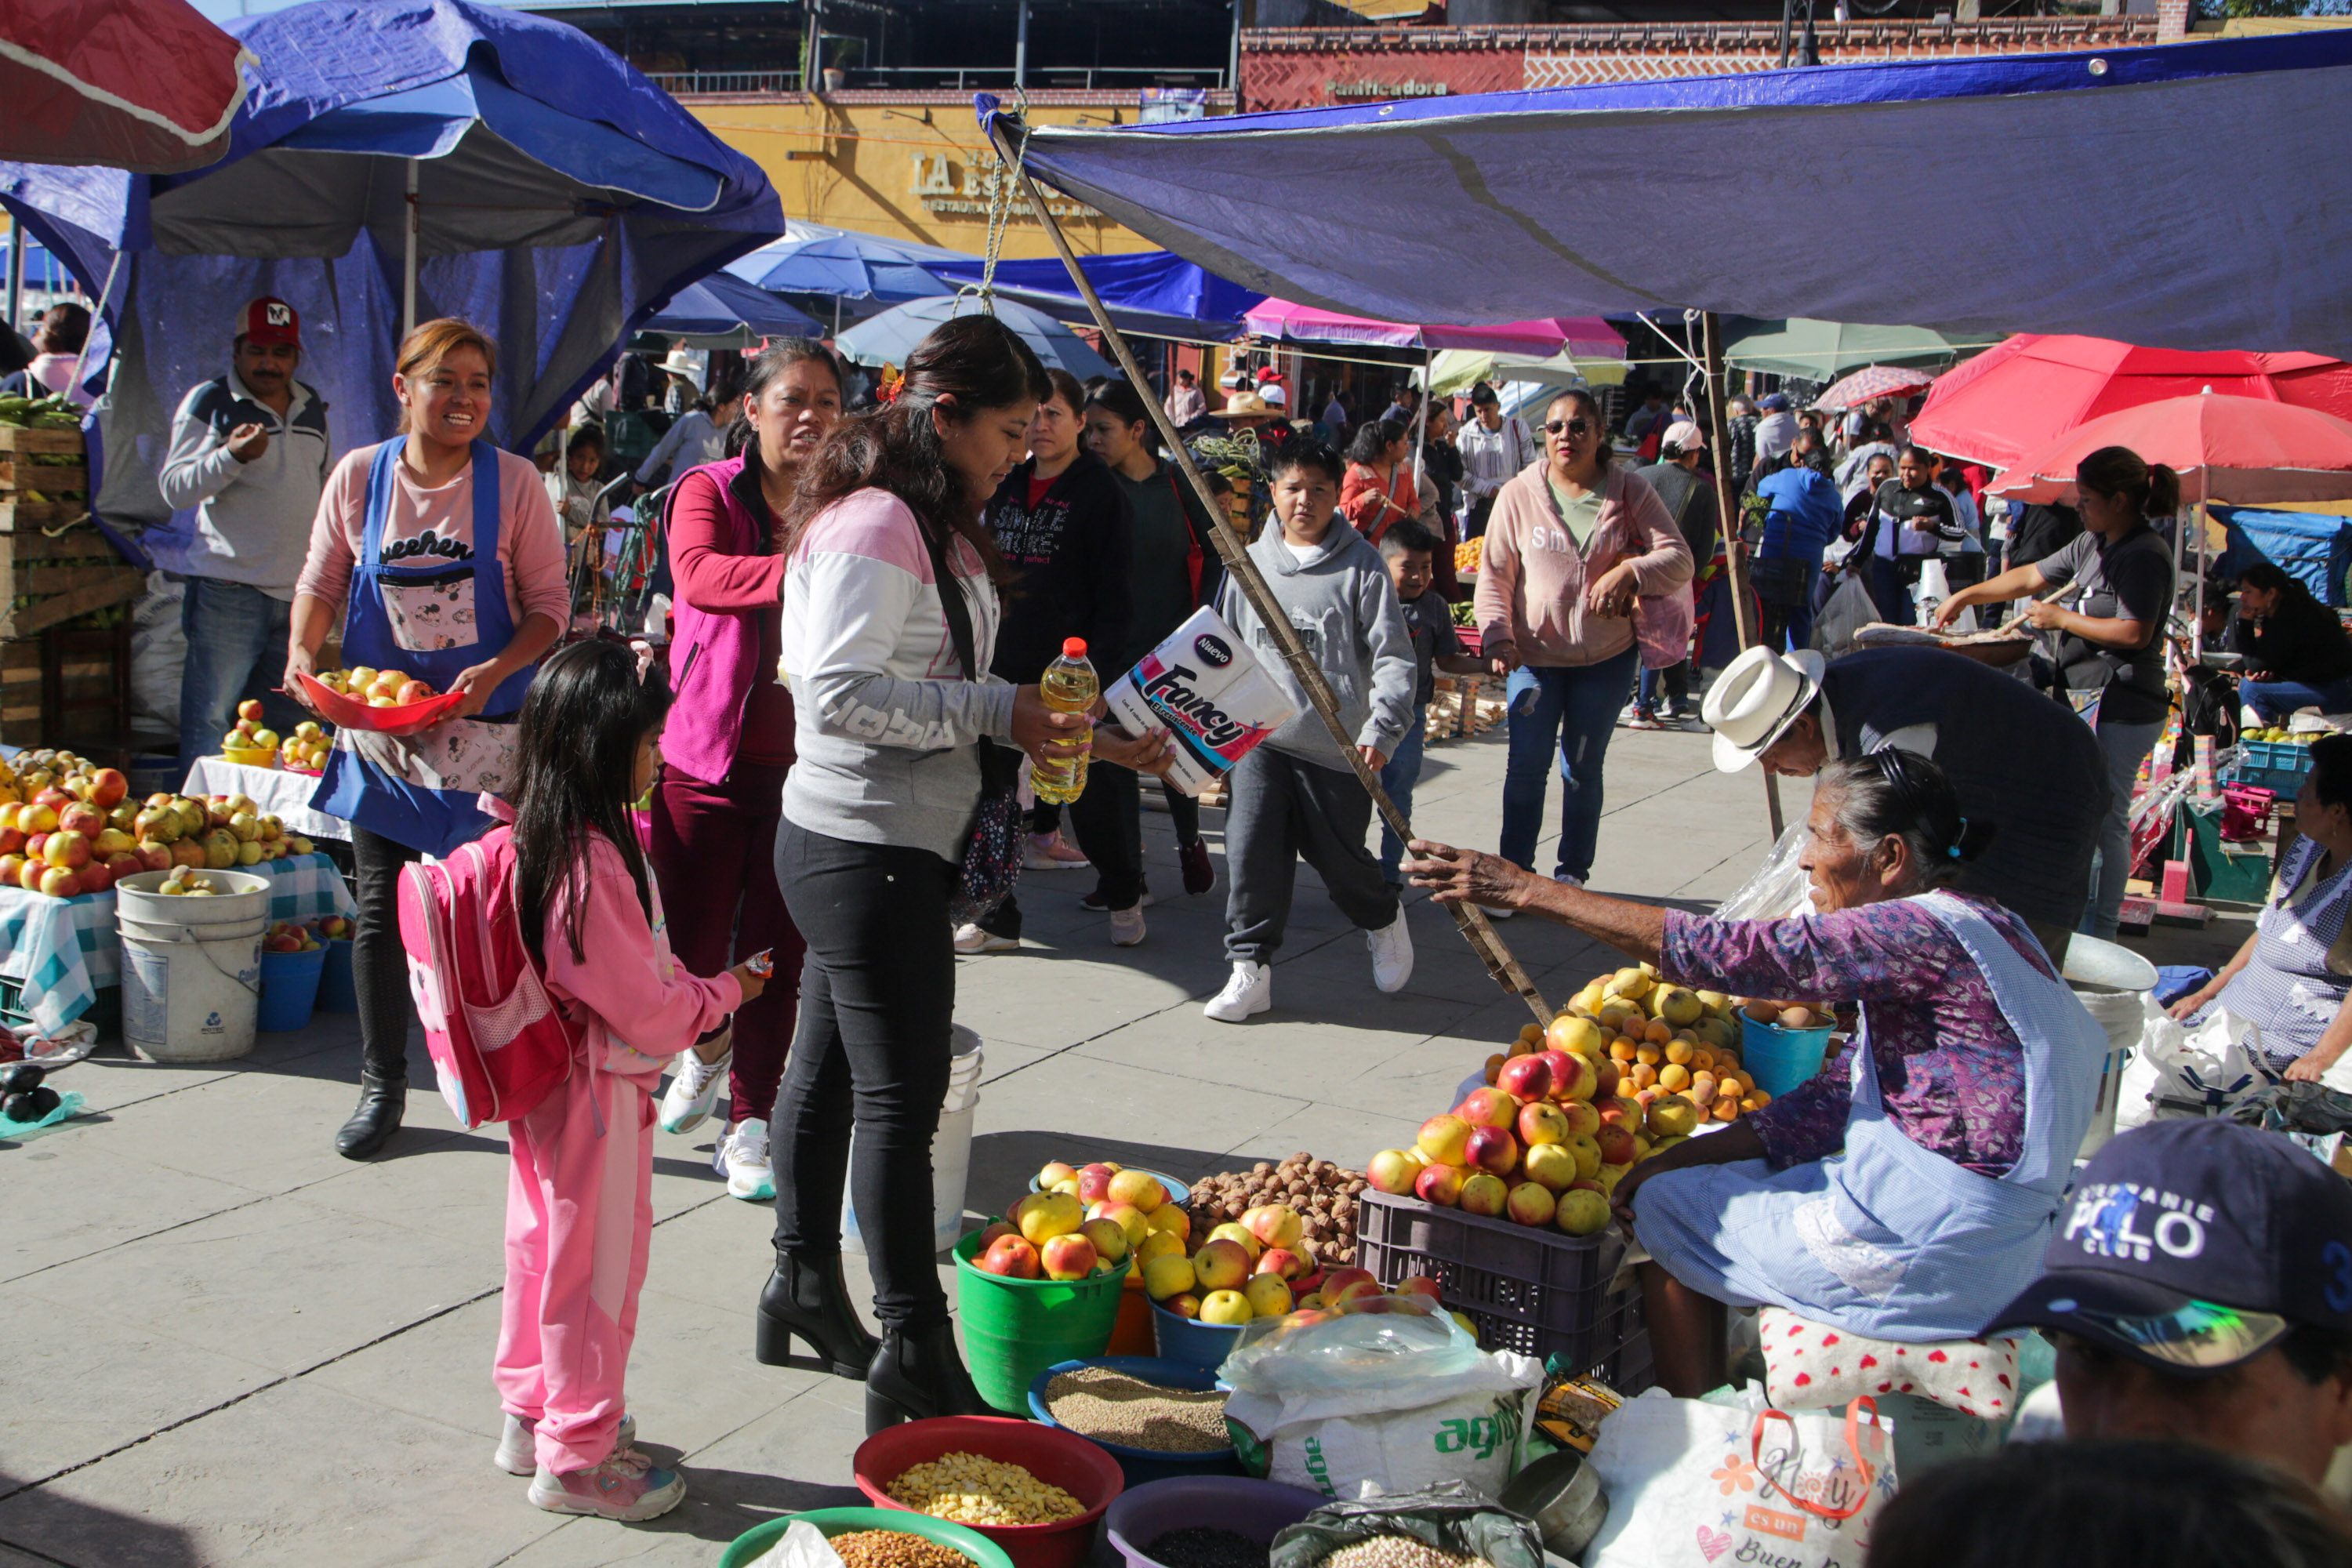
(1068, 686)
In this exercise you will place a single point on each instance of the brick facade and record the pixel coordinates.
(1296, 68)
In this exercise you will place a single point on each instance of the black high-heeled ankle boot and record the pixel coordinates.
(381, 1101)
(806, 1297)
(917, 1376)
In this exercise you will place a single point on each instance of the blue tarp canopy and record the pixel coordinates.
(2314, 546)
(890, 337)
(560, 198)
(2075, 174)
(843, 264)
(722, 311)
(1154, 292)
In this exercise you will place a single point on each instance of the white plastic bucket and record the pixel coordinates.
(190, 967)
(950, 1149)
(2111, 980)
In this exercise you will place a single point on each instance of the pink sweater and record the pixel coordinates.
(530, 541)
(1531, 578)
(638, 1007)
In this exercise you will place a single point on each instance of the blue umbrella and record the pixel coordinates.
(890, 337)
(846, 265)
(722, 311)
(1153, 293)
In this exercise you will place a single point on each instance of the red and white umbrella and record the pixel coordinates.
(144, 85)
(2247, 451)
(1873, 382)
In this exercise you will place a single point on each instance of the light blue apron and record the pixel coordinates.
(1887, 1238)
(2288, 990)
(435, 619)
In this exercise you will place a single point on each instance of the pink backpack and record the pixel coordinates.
(499, 1042)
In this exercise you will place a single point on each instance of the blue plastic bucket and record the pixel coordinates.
(1191, 1340)
(289, 986)
(1779, 1059)
(1143, 1464)
(336, 992)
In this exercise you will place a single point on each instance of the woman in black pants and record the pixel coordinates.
(890, 619)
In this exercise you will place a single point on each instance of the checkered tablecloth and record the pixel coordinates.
(285, 795)
(62, 950)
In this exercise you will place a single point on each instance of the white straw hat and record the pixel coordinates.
(1758, 695)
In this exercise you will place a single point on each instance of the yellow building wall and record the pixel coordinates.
(912, 169)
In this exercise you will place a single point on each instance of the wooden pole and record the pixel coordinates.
(1473, 923)
(1735, 550)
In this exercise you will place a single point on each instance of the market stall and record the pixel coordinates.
(283, 792)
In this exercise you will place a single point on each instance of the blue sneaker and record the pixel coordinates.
(627, 1487)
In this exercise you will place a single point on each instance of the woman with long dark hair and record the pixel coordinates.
(2112, 642)
(729, 744)
(2297, 654)
(890, 616)
(1380, 487)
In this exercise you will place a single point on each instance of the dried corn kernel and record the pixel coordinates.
(973, 1489)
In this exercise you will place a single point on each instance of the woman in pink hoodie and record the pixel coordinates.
(580, 1197)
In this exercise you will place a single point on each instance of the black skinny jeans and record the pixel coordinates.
(379, 964)
(877, 995)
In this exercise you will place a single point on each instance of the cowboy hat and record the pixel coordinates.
(1757, 696)
(1243, 405)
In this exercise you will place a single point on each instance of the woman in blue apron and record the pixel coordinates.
(2290, 979)
(445, 559)
(1908, 1190)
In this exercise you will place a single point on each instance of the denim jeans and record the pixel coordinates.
(2274, 699)
(237, 650)
(2123, 747)
(1397, 779)
(1675, 677)
(1561, 718)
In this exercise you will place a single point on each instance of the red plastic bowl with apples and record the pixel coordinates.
(353, 713)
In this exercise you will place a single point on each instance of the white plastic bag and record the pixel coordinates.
(1372, 1404)
(2179, 1071)
(802, 1545)
(1694, 1485)
(1778, 887)
(1849, 610)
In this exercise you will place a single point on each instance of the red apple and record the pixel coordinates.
(279, 942)
(1071, 1256)
(1574, 1077)
(1442, 1139)
(1281, 1260)
(29, 876)
(249, 710)
(1616, 1141)
(1582, 1116)
(1526, 1077)
(1419, 1285)
(1094, 1182)
(1530, 1202)
(1488, 1108)
(155, 855)
(1606, 1077)
(83, 818)
(412, 691)
(1439, 1184)
(12, 869)
(1010, 1257)
(35, 844)
(124, 864)
(1392, 1171)
(68, 849)
(1557, 1060)
(1492, 1148)
(107, 788)
(1184, 1304)
(38, 816)
(12, 841)
(1542, 1123)
(53, 798)
(1348, 1285)
(94, 878)
(59, 882)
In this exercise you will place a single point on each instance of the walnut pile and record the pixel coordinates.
(1324, 1194)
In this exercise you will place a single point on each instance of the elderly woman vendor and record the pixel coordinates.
(2291, 977)
(1909, 1188)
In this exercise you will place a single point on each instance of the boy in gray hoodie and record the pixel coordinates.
(1296, 796)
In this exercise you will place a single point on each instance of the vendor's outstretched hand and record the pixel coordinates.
(1452, 876)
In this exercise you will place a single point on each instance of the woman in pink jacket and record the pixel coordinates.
(1571, 543)
(581, 1188)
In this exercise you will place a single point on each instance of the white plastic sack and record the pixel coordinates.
(1696, 1484)
(1778, 887)
(1405, 1432)
(802, 1545)
(1849, 610)
(2179, 1071)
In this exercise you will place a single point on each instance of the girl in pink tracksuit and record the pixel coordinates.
(579, 1200)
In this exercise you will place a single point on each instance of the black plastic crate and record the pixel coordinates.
(104, 1013)
(1540, 1292)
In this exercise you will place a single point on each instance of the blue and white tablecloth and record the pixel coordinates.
(63, 950)
(278, 791)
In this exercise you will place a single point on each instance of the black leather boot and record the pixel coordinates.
(917, 1376)
(805, 1297)
(381, 1101)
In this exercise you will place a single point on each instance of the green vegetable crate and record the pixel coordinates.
(51, 572)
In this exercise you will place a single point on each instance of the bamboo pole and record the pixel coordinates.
(1735, 550)
(1473, 923)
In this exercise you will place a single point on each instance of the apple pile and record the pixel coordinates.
(78, 825)
(333, 928)
(250, 734)
(1660, 1039)
(183, 883)
(1323, 1193)
(377, 687)
(286, 936)
(1242, 1269)
(1079, 1223)
(307, 748)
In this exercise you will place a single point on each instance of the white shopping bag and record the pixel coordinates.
(1697, 1485)
(2180, 1071)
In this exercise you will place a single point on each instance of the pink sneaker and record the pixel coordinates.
(1047, 852)
(627, 1487)
(518, 1444)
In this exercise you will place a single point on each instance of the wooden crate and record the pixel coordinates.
(67, 688)
(17, 474)
(13, 439)
(63, 577)
(32, 516)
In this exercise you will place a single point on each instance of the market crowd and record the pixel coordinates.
(834, 751)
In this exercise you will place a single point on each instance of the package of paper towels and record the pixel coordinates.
(1204, 687)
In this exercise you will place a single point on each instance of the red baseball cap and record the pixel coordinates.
(269, 320)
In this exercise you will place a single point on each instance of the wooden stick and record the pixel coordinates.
(1735, 550)
(1473, 923)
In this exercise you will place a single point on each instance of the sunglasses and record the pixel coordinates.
(1572, 427)
(2200, 1336)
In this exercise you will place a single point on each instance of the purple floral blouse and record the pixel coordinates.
(1950, 1069)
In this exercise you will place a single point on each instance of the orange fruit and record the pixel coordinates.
(1681, 1052)
(1621, 1050)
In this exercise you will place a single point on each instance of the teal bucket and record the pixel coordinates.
(1779, 1059)
(289, 987)
(336, 992)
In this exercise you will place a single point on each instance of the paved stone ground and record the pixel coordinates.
(227, 1345)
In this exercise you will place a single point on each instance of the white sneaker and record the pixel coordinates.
(1565, 880)
(693, 1090)
(1127, 927)
(972, 938)
(518, 1444)
(742, 1158)
(1496, 911)
(1392, 948)
(1250, 991)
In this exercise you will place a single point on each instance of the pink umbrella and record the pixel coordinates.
(1873, 382)
(1588, 337)
(2248, 451)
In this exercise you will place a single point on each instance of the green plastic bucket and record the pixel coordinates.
(747, 1547)
(1016, 1329)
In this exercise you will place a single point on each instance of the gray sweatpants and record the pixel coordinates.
(1283, 810)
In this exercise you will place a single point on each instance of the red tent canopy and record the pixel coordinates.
(2025, 393)
(2251, 451)
(144, 85)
